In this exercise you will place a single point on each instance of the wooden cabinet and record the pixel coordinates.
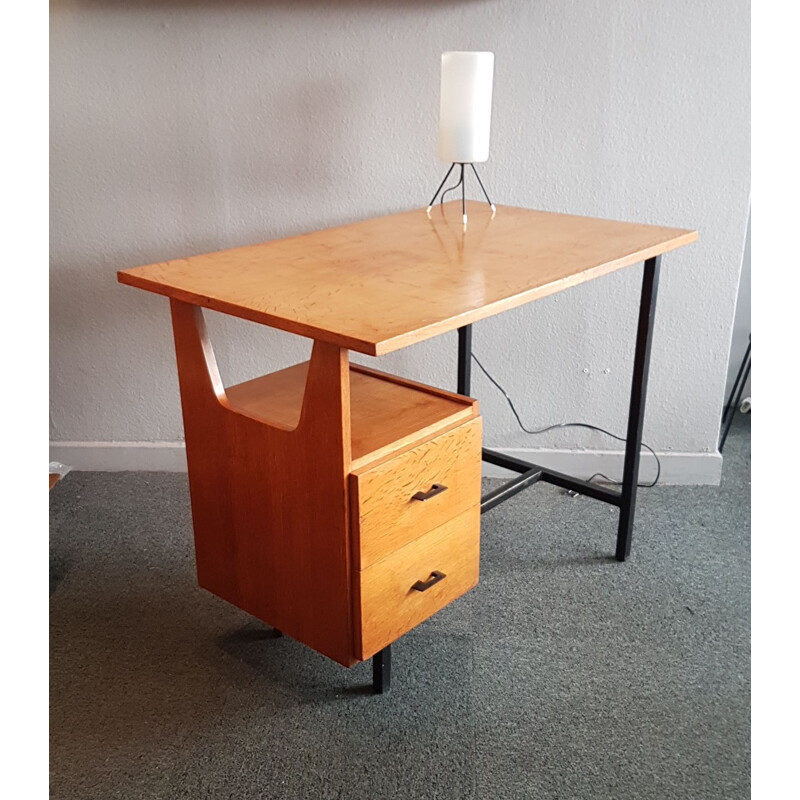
(322, 494)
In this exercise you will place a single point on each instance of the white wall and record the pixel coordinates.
(179, 128)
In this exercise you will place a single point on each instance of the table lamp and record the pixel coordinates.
(465, 117)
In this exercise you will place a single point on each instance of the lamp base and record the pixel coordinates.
(460, 183)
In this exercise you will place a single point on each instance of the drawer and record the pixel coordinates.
(390, 606)
(385, 514)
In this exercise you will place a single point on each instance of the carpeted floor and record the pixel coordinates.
(562, 675)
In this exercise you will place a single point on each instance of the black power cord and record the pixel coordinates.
(571, 425)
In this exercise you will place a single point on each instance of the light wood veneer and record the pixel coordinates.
(269, 508)
(385, 514)
(387, 413)
(269, 462)
(385, 283)
(390, 607)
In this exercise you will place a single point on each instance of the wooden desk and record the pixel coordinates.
(339, 504)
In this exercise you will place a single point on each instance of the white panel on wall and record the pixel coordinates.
(741, 323)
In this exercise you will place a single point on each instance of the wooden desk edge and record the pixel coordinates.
(406, 338)
(260, 317)
(490, 309)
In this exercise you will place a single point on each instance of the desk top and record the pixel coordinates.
(383, 284)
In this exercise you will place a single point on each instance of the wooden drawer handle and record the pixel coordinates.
(423, 586)
(437, 488)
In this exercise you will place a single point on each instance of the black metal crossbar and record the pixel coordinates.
(531, 473)
(510, 488)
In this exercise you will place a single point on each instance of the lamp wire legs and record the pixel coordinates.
(483, 189)
(436, 193)
(462, 184)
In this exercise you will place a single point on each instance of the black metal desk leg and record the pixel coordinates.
(736, 396)
(464, 360)
(382, 670)
(633, 445)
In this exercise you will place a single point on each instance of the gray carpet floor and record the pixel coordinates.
(562, 675)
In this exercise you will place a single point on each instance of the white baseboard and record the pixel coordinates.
(677, 469)
(686, 469)
(120, 456)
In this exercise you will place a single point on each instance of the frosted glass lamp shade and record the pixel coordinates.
(465, 112)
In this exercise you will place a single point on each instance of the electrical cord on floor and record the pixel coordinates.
(571, 425)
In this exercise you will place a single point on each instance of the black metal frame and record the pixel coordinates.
(529, 474)
(736, 392)
(382, 670)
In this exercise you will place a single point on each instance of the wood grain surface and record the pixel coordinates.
(390, 607)
(387, 414)
(269, 505)
(385, 515)
(386, 283)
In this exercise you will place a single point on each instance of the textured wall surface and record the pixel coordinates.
(183, 127)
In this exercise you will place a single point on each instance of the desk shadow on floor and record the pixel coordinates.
(422, 658)
(498, 560)
(58, 569)
(292, 667)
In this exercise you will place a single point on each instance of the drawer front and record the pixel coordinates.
(390, 605)
(386, 515)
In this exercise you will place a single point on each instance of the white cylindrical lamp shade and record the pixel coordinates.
(465, 111)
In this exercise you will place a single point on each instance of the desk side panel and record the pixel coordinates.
(269, 506)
